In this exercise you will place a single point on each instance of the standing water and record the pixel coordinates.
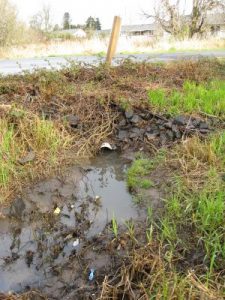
(35, 240)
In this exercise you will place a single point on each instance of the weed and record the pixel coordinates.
(149, 233)
(140, 168)
(7, 152)
(114, 226)
(131, 230)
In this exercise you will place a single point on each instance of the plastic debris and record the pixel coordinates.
(76, 243)
(57, 211)
(97, 198)
(106, 146)
(91, 275)
(72, 205)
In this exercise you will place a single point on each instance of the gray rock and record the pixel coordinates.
(180, 120)
(150, 136)
(170, 134)
(196, 122)
(135, 132)
(203, 125)
(28, 158)
(135, 119)
(178, 134)
(152, 128)
(72, 120)
(122, 123)
(17, 208)
(122, 135)
(204, 131)
(163, 138)
(129, 114)
(168, 125)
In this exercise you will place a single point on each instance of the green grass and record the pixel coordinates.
(140, 168)
(207, 98)
(7, 152)
(114, 226)
(17, 138)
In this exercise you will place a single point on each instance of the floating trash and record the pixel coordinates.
(91, 275)
(57, 211)
(76, 243)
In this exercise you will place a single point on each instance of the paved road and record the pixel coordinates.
(29, 64)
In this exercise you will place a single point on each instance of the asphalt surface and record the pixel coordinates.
(8, 67)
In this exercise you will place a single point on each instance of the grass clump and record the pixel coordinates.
(19, 135)
(140, 168)
(7, 152)
(194, 98)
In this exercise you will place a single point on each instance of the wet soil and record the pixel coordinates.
(54, 252)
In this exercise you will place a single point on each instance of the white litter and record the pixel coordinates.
(57, 211)
(76, 243)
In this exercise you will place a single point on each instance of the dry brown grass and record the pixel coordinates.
(148, 274)
(99, 45)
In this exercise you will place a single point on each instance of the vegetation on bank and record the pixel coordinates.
(47, 117)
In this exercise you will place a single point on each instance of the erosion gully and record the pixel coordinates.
(41, 249)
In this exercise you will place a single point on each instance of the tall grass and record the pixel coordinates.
(207, 98)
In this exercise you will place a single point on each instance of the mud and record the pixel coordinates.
(55, 252)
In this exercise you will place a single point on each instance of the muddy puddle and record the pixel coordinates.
(39, 248)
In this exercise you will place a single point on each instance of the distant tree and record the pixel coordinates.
(90, 23)
(46, 15)
(56, 27)
(66, 20)
(36, 22)
(93, 24)
(8, 22)
(172, 16)
(98, 25)
(42, 20)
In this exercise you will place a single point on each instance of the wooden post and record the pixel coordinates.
(113, 39)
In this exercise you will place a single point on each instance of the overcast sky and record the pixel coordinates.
(80, 10)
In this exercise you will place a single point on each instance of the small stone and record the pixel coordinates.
(122, 123)
(72, 120)
(134, 133)
(152, 129)
(178, 135)
(170, 134)
(203, 125)
(163, 138)
(150, 136)
(28, 158)
(129, 114)
(180, 120)
(135, 119)
(17, 208)
(136, 130)
(122, 135)
(168, 125)
(204, 131)
(196, 122)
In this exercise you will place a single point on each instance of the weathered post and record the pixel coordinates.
(113, 39)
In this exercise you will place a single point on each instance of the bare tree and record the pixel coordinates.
(199, 13)
(46, 14)
(42, 20)
(172, 17)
